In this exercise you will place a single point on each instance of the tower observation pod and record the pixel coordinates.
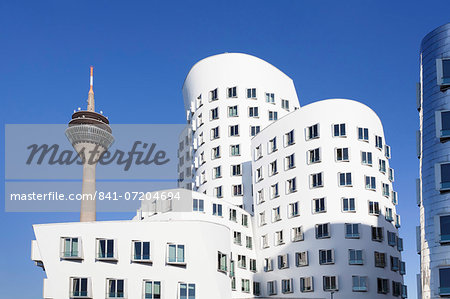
(90, 135)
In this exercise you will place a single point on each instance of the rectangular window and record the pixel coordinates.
(221, 262)
(382, 286)
(213, 95)
(175, 254)
(71, 248)
(396, 288)
(366, 158)
(285, 104)
(392, 238)
(217, 172)
(297, 234)
(283, 261)
(214, 113)
(198, 205)
(248, 242)
(387, 151)
(290, 161)
(245, 285)
(443, 72)
(382, 165)
(141, 251)
(389, 216)
(116, 288)
(286, 286)
(314, 156)
(254, 130)
(242, 261)
(215, 133)
(244, 220)
(236, 170)
(322, 231)
(380, 259)
(378, 142)
(444, 228)
(270, 98)
(264, 241)
(216, 152)
(232, 92)
(274, 192)
(253, 112)
(217, 209)
(402, 269)
(187, 291)
(374, 208)
(316, 180)
(301, 258)
(443, 176)
(319, 205)
(279, 238)
(391, 174)
(326, 256)
(342, 154)
(363, 134)
(289, 138)
(395, 263)
(272, 287)
(352, 230)
(359, 283)
(442, 124)
(262, 219)
(312, 132)
(235, 150)
(218, 192)
(233, 215)
(355, 257)
(294, 209)
(444, 281)
(256, 288)
(306, 284)
(273, 168)
(377, 233)
(272, 145)
(370, 182)
(348, 204)
(152, 289)
(276, 215)
(268, 265)
(330, 283)
(339, 130)
(273, 115)
(251, 93)
(400, 244)
(237, 237)
(234, 130)
(105, 249)
(232, 111)
(345, 179)
(260, 196)
(233, 283)
(386, 190)
(291, 185)
(80, 287)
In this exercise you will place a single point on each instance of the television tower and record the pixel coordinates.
(90, 135)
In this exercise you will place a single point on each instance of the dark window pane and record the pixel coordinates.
(446, 68)
(444, 277)
(445, 120)
(445, 225)
(445, 173)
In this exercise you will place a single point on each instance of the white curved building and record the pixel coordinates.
(325, 207)
(228, 99)
(306, 207)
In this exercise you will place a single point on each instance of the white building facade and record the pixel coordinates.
(314, 215)
(433, 148)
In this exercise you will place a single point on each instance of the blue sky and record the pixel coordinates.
(142, 50)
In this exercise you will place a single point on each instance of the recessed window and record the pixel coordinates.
(256, 288)
(116, 288)
(395, 263)
(216, 152)
(382, 285)
(291, 185)
(218, 192)
(71, 248)
(294, 210)
(387, 151)
(273, 167)
(312, 132)
(268, 264)
(389, 216)
(262, 219)
(286, 286)
(237, 237)
(236, 170)
(297, 234)
(258, 152)
(276, 214)
(232, 111)
(377, 233)
(253, 112)
(234, 130)
(322, 231)
(141, 251)
(330, 283)
(348, 204)
(233, 215)
(391, 175)
(106, 249)
(235, 150)
(213, 95)
(289, 138)
(198, 205)
(251, 93)
(442, 124)
(215, 133)
(272, 145)
(306, 284)
(279, 238)
(382, 165)
(339, 130)
(392, 238)
(254, 130)
(232, 92)
(152, 289)
(290, 161)
(442, 176)
(214, 113)
(363, 134)
(249, 242)
(443, 73)
(301, 259)
(270, 98)
(319, 205)
(80, 287)
(272, 287)
(396, 288)
(244, 220)
(359, 283)
(274, 191)
(245, 285)
(352, 230)
(366, 158)
(285, 104)
(370, 182)
(374, 208)
(444, 224)
(342, 154)
(233, 283)
(217, 209)
(316, 180)
(444, 281)
(378, 142)
(345, 179)
(386, 191)
(260, 196)
(242, 261)
(175, 254)
(380, 259)
(314, 156)
(355, 257)
(187, 291)
(273, 115)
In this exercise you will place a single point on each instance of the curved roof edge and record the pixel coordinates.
(433, 32)
(232, 53)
